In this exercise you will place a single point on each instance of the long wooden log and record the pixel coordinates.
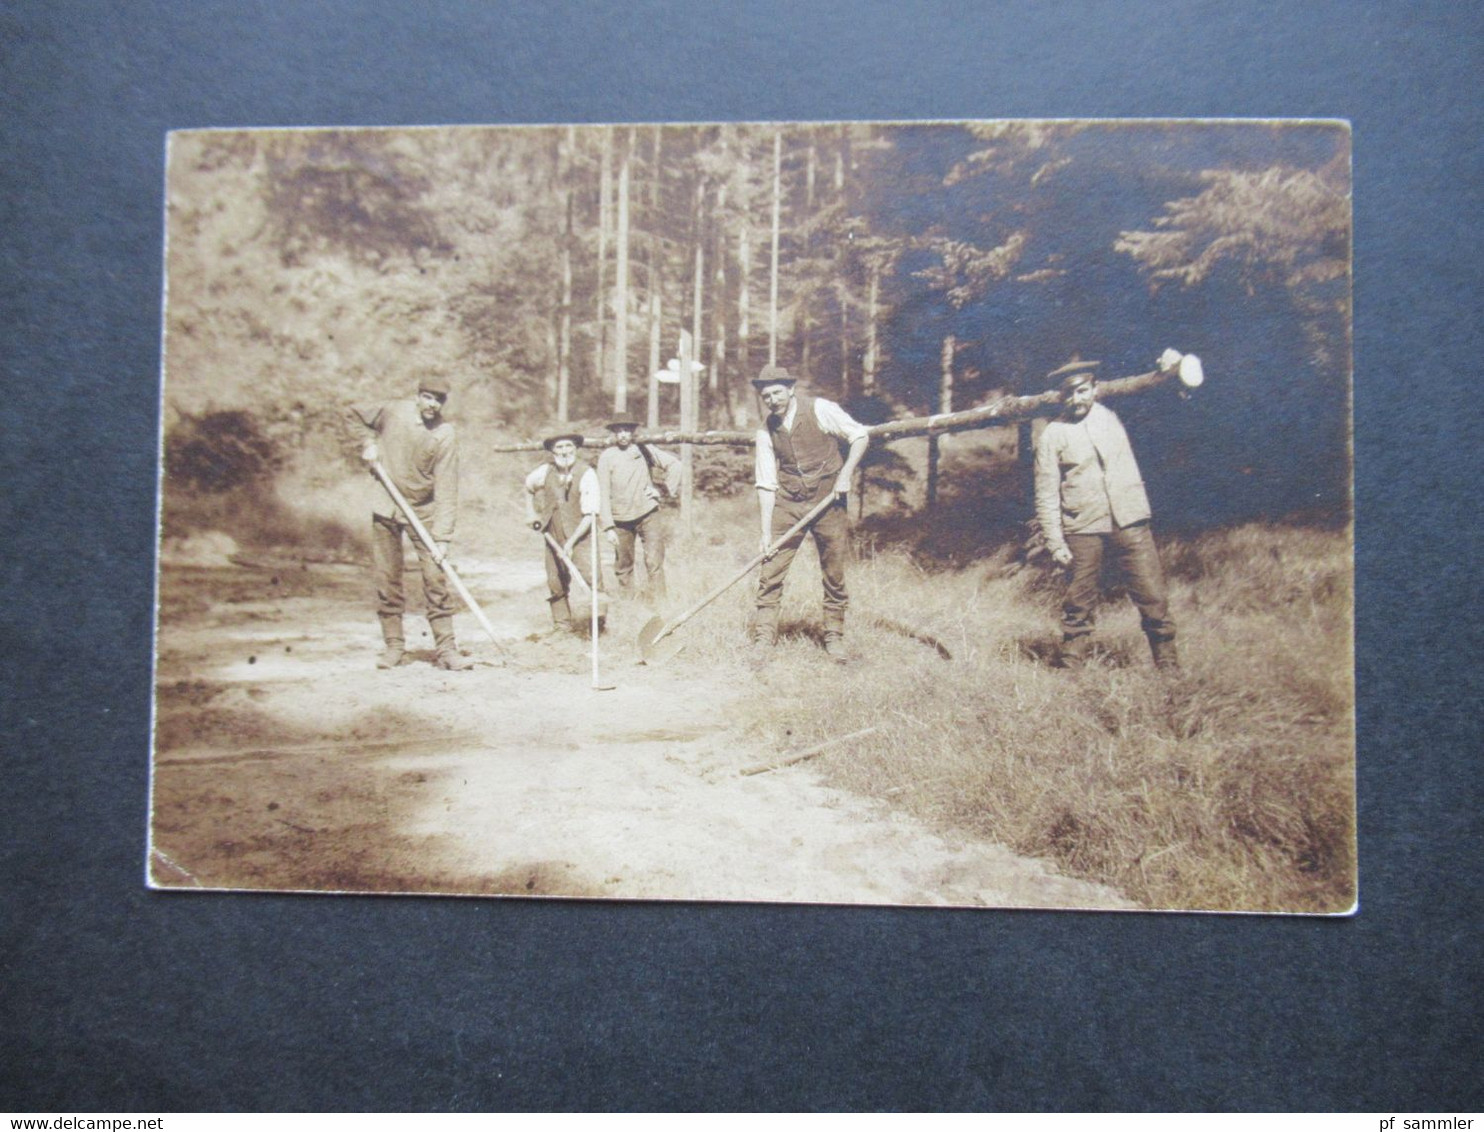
(1003, 410)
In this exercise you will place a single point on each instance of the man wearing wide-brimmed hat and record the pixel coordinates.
(631, 477)
(807, 451)
(419, 453)
(562, 501)
(1092, 507)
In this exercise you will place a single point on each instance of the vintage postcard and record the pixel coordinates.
(942, 513)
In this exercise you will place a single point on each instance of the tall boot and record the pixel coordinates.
(561, 613)
(393, 640)
(445, 651)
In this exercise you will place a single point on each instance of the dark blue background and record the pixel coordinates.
(115, 998)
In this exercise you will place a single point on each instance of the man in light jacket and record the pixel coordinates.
(630, 475)
(1091, 504)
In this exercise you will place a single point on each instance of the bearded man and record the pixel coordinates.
(562, 500)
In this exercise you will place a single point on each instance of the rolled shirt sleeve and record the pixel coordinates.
(765, 471)
(589, 496)
(835, 421)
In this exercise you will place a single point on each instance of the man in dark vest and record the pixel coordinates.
(807, 451)
(562, 500)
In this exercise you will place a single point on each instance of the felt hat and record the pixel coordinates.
(434, 384)
(623, 426)
(551, 441)
(1071, 375)
(773, 375)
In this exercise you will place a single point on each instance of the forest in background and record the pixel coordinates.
(902, 269)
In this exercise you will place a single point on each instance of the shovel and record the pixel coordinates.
(432, 548)
(657, 628)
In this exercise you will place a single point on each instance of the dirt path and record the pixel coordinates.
(286, 761)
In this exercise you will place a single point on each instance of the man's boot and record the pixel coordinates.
(561, 614)
(1074, 651)
(394, 644)
(1166, 655)
(834, 635)
(446, 653)
(763, 628)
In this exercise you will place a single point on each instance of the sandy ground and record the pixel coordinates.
(285, 760)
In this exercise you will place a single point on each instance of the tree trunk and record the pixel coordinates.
(717, 383)
(605, 221)
(700, 274)
(744, 294)
(621, 288)
(868, 368)
(656, 283)
(773, 281)
(565, 152)
(945, 405)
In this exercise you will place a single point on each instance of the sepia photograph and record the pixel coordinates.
(921, 513)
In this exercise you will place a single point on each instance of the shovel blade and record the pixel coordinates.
(654, 648)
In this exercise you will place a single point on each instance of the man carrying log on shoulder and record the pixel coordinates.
(562, 500)
(419, 453)
(630, 478)
(800, 465)
(1091, 504)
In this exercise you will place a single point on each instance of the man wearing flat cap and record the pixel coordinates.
(419, 453)
(631, 477)
(1092, 507)
(807, 451)
(562, 501)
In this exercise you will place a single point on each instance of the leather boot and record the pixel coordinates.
(394, 644)
(1166, 655)
(834, 647)
(446, 653)
(763, 628)
(561, 614)
(1074, 651)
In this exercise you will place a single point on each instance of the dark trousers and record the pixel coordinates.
(650, 529)
(387, 567)
(1132, 553)
(558, 579)
(831, 534)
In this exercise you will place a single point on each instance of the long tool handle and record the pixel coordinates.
(819, 509)
(432, 547)
(571, 566)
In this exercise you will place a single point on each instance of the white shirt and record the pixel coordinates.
(587, 487)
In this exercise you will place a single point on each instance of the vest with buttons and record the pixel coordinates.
(808, 457)
(562, 501)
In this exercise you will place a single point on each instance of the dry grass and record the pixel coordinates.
(1230, 788)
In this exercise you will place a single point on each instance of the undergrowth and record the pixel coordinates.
(1228, 788)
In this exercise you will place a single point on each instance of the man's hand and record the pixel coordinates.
(567, 548)
(842, 487)
(1169, 360)
(763, 543)
(370, 453)
(1062, 556)
(612, 536)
